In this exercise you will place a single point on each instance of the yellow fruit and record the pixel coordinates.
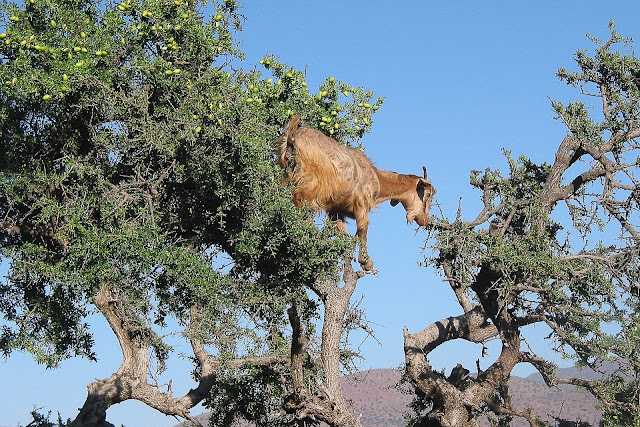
(46, 97)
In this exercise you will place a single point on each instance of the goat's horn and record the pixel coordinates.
(292, 126)
(424, 169)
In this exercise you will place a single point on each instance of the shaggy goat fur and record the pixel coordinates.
(343, 182)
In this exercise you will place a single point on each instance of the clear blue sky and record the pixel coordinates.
(462, 80)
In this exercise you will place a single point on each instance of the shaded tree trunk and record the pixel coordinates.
(329, 405)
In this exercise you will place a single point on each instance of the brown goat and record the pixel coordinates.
(343, 182)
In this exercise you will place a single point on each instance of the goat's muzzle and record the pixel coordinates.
(420, 219)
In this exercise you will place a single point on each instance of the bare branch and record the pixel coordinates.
(130, 381)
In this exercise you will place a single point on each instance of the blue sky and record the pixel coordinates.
(462, 80)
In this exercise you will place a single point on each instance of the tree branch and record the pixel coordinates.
(130, 381)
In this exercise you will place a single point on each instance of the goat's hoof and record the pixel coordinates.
(367, 266)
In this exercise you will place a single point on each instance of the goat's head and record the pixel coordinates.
(284, 144)
(417, 201)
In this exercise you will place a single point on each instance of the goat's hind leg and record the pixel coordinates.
(339, 219)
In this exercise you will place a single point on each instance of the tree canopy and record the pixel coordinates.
(137, 180)
(554, 244)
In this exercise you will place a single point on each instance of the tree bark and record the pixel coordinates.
(130, 381)
(329, 405)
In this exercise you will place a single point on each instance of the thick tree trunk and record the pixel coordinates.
(330, 405)
(455, 403)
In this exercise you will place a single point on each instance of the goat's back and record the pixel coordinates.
(329, 175)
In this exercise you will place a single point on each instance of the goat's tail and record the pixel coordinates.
(285, 144)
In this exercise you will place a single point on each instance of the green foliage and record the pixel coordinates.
(135, 156)
(618, 76)
(252, 394)
(625, 393)
(582, 286)
(40, 420)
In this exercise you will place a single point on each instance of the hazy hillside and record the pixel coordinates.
(374, 396)
(380, 404)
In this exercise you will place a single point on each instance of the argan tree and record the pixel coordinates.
(554, 244)
(137, 181)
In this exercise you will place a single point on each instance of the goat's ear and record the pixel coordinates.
(423, 183)
(426, 186)
(394, 202)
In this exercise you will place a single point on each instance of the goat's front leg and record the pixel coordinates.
(362, 224)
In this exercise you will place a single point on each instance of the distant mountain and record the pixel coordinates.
(373, 395)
